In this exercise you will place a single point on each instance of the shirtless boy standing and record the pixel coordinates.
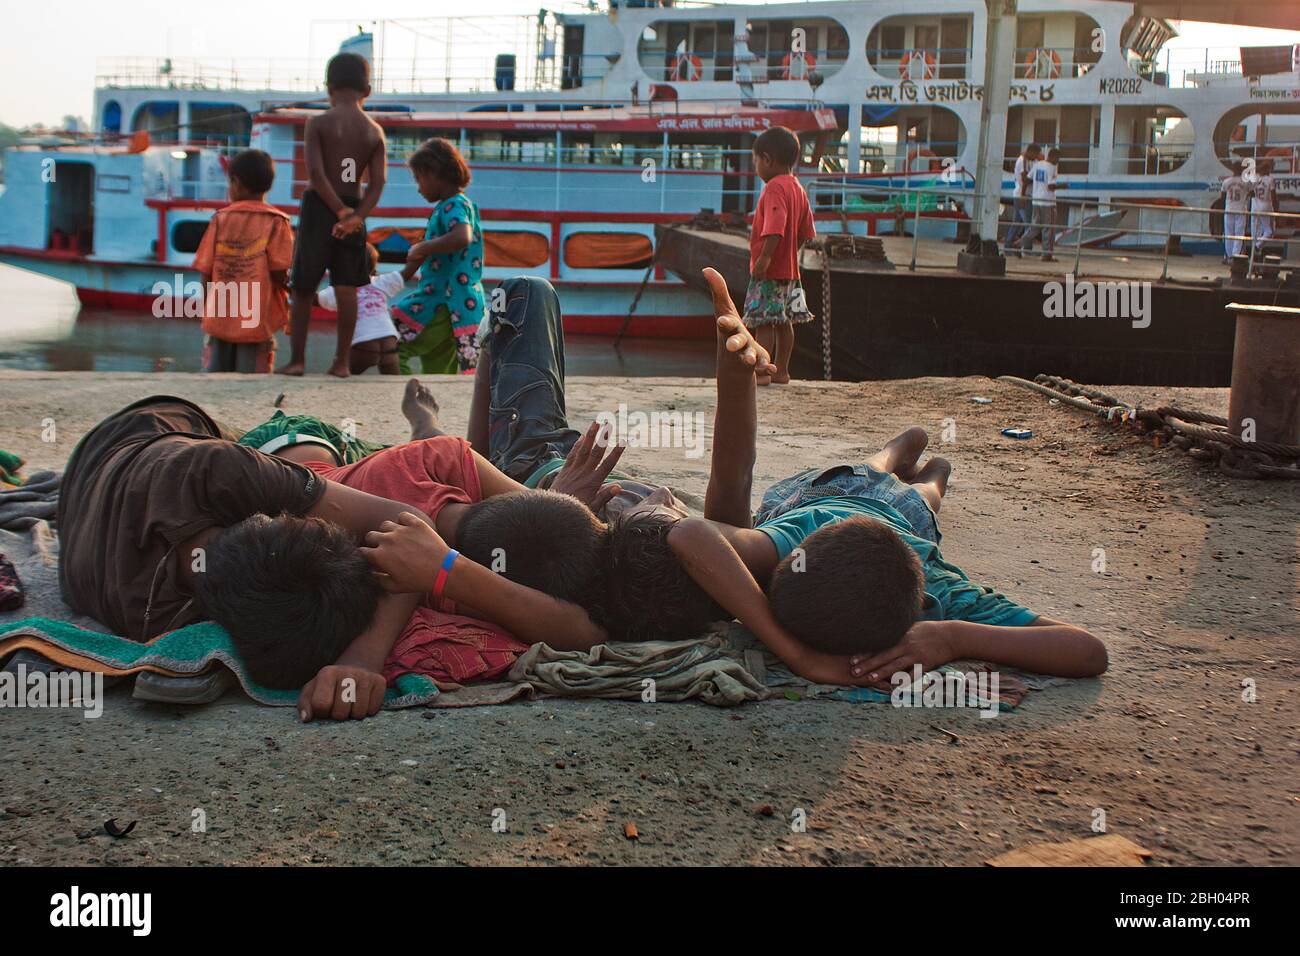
(342, 145)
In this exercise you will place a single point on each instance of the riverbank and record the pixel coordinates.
(1199, 594)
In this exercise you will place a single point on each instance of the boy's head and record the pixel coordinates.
(853, 587)
(1053, 155)
(438, 168)
(1032, 151)
(251, 173)
(372, 256)
(541, 539)
(292, 592)
(776, 151)
(650, 595)
(348, 72)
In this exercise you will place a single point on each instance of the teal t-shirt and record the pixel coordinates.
(453, 279)
(952, 595)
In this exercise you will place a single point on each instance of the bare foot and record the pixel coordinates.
(762, 379)
(781, 378)
(934, 475)
(421, 410)
(339, 368)
(293, 368)
(901, 453)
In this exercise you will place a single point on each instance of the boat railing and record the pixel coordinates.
(918, 202)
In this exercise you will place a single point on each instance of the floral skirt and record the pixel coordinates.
(774, 302)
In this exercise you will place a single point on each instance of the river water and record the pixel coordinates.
(43, 327)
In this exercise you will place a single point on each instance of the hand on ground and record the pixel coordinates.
(341, 692)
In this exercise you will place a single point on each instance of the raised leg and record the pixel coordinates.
(901, 453)
(932, 481)
(421, 410)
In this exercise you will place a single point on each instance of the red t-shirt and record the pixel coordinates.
(783, 211)
(426, 474)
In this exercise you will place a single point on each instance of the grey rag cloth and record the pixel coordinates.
(35, 500)
(35, 554)
(680, 670)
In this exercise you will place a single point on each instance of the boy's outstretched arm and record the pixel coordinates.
(1044, 647)
(735, 420)
(715, 565)
(409, 554)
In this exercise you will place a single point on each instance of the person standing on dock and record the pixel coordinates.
(1022, 210)
(783, 222)
(1043, 180)
(1262, 204)
(342, 145)
(1236, 212)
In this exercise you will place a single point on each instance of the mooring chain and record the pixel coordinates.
(826, 311)
(1183, 428)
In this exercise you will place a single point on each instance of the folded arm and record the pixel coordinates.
(717, 567)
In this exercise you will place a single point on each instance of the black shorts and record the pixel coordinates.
(316, 250)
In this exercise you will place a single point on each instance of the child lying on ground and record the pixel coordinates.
(375, 340)
(857, 588)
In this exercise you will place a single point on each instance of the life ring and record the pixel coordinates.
(797, 66)
(1040, 60)
(1287, 153)
(920, 56)
(917, 152)
(687, 68)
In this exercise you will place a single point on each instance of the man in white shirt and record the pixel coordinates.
(1042, 178)
(1021, 212)
(1263, 200)
(1236, 212)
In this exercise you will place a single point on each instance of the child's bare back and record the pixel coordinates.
(348, 143)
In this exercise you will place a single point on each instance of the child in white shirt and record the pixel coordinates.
(1236, 212)
(1263, 200)
(375, 340)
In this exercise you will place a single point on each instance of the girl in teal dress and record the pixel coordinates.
(438, 320)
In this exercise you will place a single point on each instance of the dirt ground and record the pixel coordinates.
(1200, 593)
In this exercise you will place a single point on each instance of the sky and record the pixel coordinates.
(48, 50)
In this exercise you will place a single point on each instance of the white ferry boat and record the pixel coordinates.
(585, 129)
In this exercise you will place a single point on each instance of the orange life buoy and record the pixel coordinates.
(1042, 64)
(797, 66)
(687, 68)
(922, 57)
(916, 152)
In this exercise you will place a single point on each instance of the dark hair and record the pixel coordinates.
(778, 144)
(254, 169)
(1033, 148)
(649, 595)
(348, 71)
(1053, 155)
(441, 158)
(541, 539)
(852, 587)
(292, 592)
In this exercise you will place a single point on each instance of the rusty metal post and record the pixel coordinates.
(1265, 399)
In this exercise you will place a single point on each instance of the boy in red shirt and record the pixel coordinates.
(783, 222)
(243, 260)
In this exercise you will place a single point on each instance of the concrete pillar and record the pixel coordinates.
(999, 62)
(854, 159)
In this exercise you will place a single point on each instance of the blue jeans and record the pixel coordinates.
(1023, 215)
(527, 422)
(861, 481)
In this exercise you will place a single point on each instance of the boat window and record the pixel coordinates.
(916, 139)
(921, 47)
(1257, 133)
(1071, 129)
(1057, 45)
(111, 121)
(187, 234)
(680, 51)
(611, 149)
(71, 208)
(224, 124)
(402, 141)
(1151, 140)
(510, 146)
(163, 119)
(608, 250)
